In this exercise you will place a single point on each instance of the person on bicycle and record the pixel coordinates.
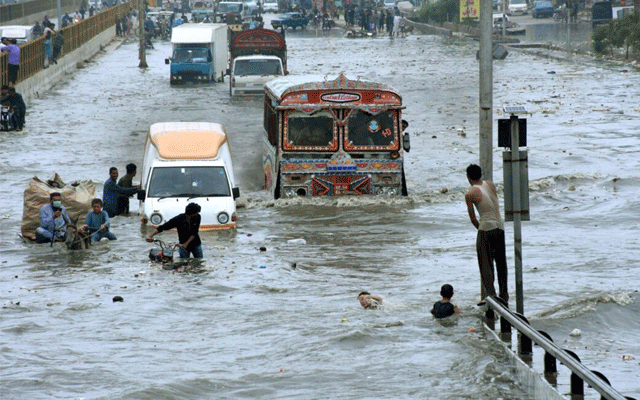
(187, 225)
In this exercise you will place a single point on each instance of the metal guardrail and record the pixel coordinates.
(75, 35)
(579, 373)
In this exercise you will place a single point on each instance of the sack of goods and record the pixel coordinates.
(76, 198)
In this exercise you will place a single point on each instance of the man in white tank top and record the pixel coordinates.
(490, 239)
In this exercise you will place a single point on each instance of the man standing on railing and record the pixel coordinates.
(490, 244)
(57, 46)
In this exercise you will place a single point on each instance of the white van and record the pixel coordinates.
(187, 162)
(22, 33)
(250, 73)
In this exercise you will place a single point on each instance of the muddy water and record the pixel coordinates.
(245, 323)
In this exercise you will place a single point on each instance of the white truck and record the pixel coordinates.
(256, 56)
(199, 53)
(187, 162)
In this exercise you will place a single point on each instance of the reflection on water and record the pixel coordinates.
(571, 36)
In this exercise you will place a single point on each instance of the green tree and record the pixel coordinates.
(439, 12)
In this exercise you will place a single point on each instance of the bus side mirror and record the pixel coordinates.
(236, 193)
(142, 195)
(228, 72)
(406, 142)
(167, 60)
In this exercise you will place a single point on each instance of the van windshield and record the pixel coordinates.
(188, 182)
(191, 55)
(257, 67)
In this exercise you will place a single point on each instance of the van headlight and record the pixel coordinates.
(155, 219)
(223, 217)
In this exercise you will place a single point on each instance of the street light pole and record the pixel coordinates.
(485, 123)
(142, 55)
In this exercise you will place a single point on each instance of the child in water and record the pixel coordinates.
(367, 300)
(444, 308)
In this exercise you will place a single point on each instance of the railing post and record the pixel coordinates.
(550, 366)
(577, 384)
(525, 343)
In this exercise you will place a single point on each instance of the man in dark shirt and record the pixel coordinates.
(126, 182)
(111, 193)
(444, 308)
(187, 225)
(17, 104)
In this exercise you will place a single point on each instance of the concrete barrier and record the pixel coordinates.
(44, 80)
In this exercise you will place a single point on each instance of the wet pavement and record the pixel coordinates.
(244, 323)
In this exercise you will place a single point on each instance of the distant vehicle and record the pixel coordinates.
(21, 33)
(188, 162)
(542, 9)
(270, 6)
(389, 4)
(255, 57)
(601, 12)
(290, 20)
(517, 7)
(199, 53)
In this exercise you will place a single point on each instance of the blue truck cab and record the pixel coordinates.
(199, 53)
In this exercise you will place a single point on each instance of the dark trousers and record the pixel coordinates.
(18, 118)
(13, 72)
(491, 248)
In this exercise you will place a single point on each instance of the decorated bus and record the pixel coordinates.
(333, 137)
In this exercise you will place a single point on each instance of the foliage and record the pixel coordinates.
(439, 12)
(620, 33)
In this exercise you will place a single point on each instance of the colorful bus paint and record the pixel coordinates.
(334, 137)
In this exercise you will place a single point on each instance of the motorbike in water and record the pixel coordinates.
(6, 119)
(561, 14)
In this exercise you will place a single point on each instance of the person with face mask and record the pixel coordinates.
(53, 221)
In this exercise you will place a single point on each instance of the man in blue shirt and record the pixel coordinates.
(112, 193)
(98, 223)
(53, 220)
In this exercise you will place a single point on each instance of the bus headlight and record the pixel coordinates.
(155, 219)
(223, 217)
(380, 190)
(289, 192)
(392, 191)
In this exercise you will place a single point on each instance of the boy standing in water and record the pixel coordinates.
(444, 308)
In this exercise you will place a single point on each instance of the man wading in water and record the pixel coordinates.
(490, 239)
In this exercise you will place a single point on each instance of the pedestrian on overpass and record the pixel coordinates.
(57, 46)
(13, 58)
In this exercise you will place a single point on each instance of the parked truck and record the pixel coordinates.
(255, 57)
(199, 53)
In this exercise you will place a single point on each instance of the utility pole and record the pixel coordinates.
(142, 55)
(485, 124)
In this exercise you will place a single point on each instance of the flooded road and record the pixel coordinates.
(245, 323)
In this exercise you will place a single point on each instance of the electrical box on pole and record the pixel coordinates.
(520, 167)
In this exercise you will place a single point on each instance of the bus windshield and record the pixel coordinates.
(227, 8)
(188, 182)
(365, 130)
(305, 131)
